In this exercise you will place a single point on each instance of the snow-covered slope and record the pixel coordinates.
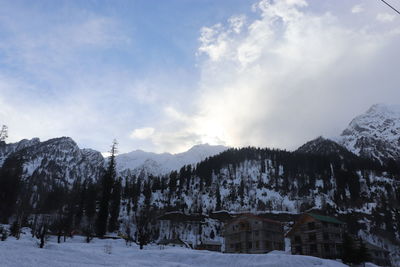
(7, 149)
(156, 164)
(323, 146)
(374, 134)
(57, 160)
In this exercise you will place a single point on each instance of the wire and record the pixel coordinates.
(398, 12)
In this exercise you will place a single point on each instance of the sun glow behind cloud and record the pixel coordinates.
(276, 75)
(278, 79)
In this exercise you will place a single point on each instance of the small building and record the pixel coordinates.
(317, 235)
(196, 230)
(173, 242)
(253, 234)
(211, 245)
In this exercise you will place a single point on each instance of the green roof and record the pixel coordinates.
(324, 218)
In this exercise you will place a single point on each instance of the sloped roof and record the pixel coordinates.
(324, 218)
(249, 215)
(315, 216)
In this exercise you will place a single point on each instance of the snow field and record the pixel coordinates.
(75, 252)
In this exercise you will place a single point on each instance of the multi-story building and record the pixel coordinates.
(317, 235)
(253, 234)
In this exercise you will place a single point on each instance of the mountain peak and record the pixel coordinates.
(381, 108)
(374, 134)
(323, 146)
(139, 160)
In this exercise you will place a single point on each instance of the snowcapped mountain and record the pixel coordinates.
(374, 134)
(323, 146)
(157, 164)
(57, 160)
(7, 149)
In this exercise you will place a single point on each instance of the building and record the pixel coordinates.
(210, 245)
(317, 235)
(195, 230)
(253, 234)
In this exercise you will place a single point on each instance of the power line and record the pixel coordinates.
(398, 12)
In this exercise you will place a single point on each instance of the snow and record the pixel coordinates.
(375, 134)
(75, 252)
(157, 164)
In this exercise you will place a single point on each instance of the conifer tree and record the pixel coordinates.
(218, 199)
(106, 187)
(10, 186)
(362, 253)
(349, 251)
(115, 207)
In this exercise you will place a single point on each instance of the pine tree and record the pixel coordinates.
(362, 253)
(218, 198)
(106, 185)
(349, 252)
(90, 202)
(115, 207)
(10, 186)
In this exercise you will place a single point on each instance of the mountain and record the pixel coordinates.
(58, 159)
(323, 146)
(334, 178)
(139, 161)
(374, 134)
(7, 149)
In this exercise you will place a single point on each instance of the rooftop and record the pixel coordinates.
(324, 218)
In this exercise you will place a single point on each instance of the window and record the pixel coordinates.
(326, 247)
(313, 248)
(257, 244)
(326, 236)
(237, 246)
(297, 239)
(339, 248)
(312, 237)
(256, 233)
(311, 225)
(324, 224)
(298, 250)
(268, 245)
(249, 245)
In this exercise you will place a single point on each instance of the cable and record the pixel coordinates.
(398, 12)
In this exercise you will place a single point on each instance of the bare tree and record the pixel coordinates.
(143, 228)
(88, 231)
(4, 133)
(42, 231)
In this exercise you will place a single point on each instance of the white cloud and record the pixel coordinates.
(357, 9)
(290, 75)
(142, 133)
(385, 17)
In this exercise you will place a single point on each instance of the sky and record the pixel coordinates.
(163, 76)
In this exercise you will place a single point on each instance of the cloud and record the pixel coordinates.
(288, 76)
(385, 17)
(276, 77)
(142, 133)
(357, 9)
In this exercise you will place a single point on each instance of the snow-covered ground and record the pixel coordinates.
(75, 252)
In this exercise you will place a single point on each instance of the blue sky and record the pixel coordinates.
(166, 75)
